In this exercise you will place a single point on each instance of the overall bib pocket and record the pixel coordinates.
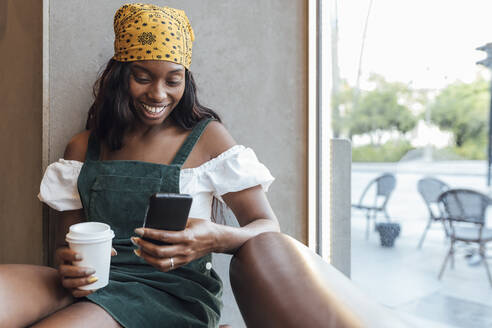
(121, 201)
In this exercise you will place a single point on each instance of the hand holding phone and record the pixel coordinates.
(167, 211)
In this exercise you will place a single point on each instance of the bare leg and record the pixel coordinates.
(29, 293)
(81, 314)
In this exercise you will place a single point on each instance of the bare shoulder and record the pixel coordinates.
(216, 139)
(77, 147)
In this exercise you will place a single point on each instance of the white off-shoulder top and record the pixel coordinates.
(234, 170)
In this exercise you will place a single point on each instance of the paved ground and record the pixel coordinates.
(404, 277)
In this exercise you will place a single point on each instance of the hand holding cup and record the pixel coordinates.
(86, 262)
(73, 277)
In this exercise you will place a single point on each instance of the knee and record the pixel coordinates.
(8, 285)
(8, 274)
(28, 292)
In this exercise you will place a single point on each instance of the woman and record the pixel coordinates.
(146, 133)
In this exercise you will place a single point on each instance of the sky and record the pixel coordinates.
(428, 43)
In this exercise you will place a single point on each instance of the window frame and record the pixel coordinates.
(319, 129)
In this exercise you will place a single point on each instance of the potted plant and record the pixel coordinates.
(388, 231)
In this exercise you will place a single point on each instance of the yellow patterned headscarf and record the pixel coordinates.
(149, 32)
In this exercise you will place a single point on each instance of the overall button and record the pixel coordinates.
(208, 265)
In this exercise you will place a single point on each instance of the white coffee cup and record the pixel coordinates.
(92, 240)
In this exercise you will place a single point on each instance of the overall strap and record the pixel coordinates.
(92, 148)
(190, 142)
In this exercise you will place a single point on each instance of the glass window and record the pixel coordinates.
(410, 96)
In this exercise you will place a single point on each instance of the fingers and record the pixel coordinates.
(74, 271)
(160, 251)
(171, 237)
(71, 283)
(68, 255)
(113, 252)
(81, 293)
(162, 264)
(73, 277)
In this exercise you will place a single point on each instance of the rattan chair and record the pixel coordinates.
(384, 184)
(464, 221)
(430, 189)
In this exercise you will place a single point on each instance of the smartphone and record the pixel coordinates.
(167, 211)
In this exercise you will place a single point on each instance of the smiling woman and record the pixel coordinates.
(146, 91)
(146, 132)
(156, 89)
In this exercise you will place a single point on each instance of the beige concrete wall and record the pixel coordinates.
(250, 63)
(20, 131)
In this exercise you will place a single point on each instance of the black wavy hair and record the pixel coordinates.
(111, 116)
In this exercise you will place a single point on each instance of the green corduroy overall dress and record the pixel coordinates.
(117, 192)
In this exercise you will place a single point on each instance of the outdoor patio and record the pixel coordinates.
(404, 277)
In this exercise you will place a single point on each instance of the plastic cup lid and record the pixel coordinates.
(89, 232)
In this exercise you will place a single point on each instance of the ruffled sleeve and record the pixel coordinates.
(236, 169)
(59, 185)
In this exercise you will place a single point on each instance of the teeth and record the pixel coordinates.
(153, 110)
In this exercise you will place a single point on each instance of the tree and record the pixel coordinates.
(385, 108)
(342, 100)
(462, 109)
